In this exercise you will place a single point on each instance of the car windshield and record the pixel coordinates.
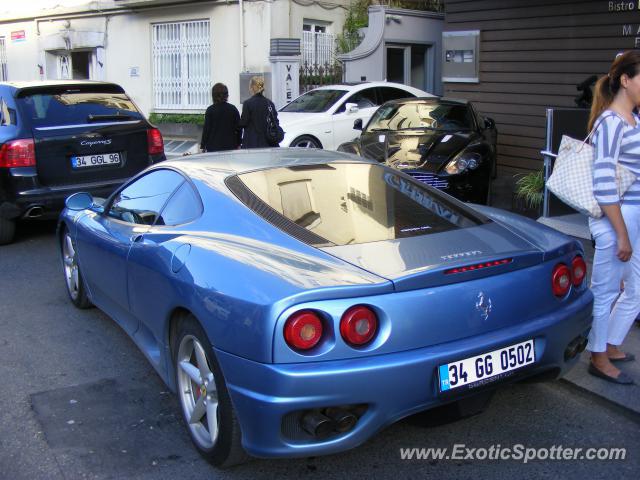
(351, 203)
(314, 101)
(422, 116)
(70, 108)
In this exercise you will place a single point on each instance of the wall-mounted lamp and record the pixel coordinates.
(394, 18)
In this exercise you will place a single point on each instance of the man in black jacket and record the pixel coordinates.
(221, 130)
(254, 116)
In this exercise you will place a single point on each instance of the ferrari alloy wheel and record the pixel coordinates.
(204, 399)
(198, 393)
(306, 141)
(72, 275)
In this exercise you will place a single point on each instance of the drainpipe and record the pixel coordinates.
(241, 6)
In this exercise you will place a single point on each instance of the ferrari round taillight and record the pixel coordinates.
(578, 270)
(560, 280)
(358, 325)
(303, 330)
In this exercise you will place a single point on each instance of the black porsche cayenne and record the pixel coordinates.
(59, 137)
(441, 142)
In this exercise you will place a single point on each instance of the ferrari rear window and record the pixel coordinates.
(350, 203)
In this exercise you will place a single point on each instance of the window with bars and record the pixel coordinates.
(318, 45)
(181, 65)
(3, 61)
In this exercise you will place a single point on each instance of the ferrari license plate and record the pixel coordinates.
(486, 367)
(82, 161)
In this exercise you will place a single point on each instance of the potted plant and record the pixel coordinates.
(529, 193)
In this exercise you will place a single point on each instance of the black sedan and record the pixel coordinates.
(441, 142)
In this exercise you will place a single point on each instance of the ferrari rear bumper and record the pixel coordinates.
(271, 399)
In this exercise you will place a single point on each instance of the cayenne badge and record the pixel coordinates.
(483, 305)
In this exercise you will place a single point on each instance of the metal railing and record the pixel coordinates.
(3, 60)
(313, 76)
(181, 65)
(318, 48)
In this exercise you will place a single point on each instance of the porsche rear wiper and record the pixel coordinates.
(116, 116)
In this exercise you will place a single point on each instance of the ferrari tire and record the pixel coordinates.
(305, 141)
(7, 231)
(72, 274)
(206, 406)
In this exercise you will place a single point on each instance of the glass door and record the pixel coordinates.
(397, 64)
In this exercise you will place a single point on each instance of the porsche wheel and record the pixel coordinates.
(7, 231)
(206, 406)
(306, 141)
(72, 274)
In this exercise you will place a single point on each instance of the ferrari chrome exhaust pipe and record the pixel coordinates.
(344, 420)
(582, 344)
(575, 347)
(317, 424)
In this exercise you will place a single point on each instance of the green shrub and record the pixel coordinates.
(193, 118)
(530, 188)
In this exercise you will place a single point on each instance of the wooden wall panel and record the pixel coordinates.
(533, 53)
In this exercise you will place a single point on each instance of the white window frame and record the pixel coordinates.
(181, 59)
(318, 43)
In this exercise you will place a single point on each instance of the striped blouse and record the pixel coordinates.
(615, 141)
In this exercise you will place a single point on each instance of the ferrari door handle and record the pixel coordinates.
(137, 238)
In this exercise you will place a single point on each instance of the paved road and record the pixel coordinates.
(78, 400)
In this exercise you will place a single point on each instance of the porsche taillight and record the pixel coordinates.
(358, 325)
(155, 143)
(18, 153)
(560, 280)
(303, 330)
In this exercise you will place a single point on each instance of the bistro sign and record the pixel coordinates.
(624, 6)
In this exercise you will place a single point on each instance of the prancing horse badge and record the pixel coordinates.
(483, 305)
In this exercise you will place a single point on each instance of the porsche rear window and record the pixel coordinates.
(351, 203)
(77, 107)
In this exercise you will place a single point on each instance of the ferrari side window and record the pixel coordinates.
(182, 207)
(141, 201)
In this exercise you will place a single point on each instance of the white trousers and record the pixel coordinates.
(612, 326)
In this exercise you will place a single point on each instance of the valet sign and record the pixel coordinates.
(624, 6)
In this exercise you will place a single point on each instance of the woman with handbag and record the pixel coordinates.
(256, 113)
(617, 233)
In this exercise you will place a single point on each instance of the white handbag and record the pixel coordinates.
(572, 177)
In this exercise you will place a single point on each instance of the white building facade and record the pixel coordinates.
(165, 53)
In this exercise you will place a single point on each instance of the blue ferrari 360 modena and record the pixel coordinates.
(299, 301)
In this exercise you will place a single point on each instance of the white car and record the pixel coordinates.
(323, 117)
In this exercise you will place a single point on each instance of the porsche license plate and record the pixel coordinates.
(82, 161)
(486, 367)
